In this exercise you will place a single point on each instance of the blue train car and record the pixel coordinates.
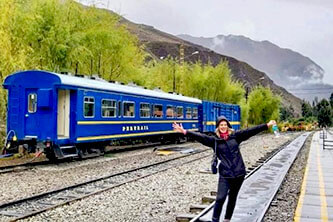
(64, 114)
(209, 111)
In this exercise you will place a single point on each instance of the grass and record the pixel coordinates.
(109, 155)
(2, 137)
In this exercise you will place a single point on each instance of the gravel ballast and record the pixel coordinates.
(156, 198)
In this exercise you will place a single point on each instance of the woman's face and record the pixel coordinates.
(223, 126)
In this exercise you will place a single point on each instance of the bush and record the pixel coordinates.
(2, 137)
(263, 106)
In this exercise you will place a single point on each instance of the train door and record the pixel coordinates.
(217, 112)
(31, 113)
(63, 114)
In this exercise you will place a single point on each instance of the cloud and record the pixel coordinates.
(245, 27)
(318, 3)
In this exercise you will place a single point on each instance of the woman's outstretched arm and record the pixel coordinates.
(200, 137)
(245, 134)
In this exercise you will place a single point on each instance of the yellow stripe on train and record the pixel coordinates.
(127, 135)
(135, 122)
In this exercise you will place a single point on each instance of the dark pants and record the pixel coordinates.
(230, 187)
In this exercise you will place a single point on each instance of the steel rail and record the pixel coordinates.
(110, 149)
(39, 197)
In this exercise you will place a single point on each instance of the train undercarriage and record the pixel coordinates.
(55, 152)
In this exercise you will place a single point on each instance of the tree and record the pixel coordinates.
(331, 100)
(286, 113)
(307, 110)
(263, 105)
(324, 113)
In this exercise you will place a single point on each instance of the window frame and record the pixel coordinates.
(34, 105)
(123, 109)
(148, 109)
(161, 111)
(182, 112)
(115, 107)
(190, 109)
(84, 102)
(195, 117)
(173, 112)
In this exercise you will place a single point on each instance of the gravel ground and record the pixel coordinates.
(157, 198)
(285, 202)
(55, 176)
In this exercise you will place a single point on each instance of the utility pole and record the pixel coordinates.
(181, 63)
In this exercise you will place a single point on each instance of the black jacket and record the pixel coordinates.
(232, 164)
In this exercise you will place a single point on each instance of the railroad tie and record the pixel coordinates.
(185, 217)
(196, 208)
(208, 199)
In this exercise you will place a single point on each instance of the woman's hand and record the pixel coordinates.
(271, 123)
(178, 128)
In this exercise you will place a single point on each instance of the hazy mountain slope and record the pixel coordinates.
(285, 67)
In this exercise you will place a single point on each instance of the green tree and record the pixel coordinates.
(12, 53)
(263, 105)
(307, 110)
(324, 113)
(285, 114)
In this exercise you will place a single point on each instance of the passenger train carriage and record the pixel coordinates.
(66, 116)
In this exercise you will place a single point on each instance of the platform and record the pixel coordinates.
(259, 189)
(316, 198)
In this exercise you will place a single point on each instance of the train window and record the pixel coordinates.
(144, 110)
(174, 112)
(180, 112)
(128, 109)
(188, 113)
(195, 113)
(170, 111)
(119, 108)
(32, 102)
(109, 108)
(89, 106)
(158, 111)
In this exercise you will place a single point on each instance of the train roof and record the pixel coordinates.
(101, 84)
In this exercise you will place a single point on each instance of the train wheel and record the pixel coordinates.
(80, 154)
(50, 155)
(102, 150)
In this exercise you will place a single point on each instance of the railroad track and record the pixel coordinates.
(110, 149)
(21, 167)
(37, 204)
(253, 179)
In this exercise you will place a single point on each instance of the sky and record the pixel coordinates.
(304, 26)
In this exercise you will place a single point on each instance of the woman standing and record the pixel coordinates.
(231, 168)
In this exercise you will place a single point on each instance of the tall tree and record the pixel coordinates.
(263, 105)
(307, 110)
(285, 113)
(324, 113)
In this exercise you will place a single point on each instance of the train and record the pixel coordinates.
(68, 116)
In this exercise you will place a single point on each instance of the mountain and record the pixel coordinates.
(160, 44)
(285, 67)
